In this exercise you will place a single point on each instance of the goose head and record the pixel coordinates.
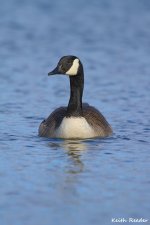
(67, 65)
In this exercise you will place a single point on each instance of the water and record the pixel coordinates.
(48, 181)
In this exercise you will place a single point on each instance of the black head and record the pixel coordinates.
(68, 65)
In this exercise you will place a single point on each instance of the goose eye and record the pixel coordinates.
(62, 67)
(69, 62)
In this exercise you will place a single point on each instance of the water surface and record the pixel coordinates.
(49, 181)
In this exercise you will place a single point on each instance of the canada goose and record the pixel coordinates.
(77, 120)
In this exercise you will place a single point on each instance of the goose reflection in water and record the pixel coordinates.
(74, 149)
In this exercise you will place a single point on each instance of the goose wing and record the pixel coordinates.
(96, 120)
(48, 126)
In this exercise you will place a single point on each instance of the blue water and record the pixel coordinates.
(48, 181)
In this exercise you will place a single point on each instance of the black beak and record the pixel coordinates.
(53, 72)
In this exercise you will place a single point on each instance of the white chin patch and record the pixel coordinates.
(74, 68)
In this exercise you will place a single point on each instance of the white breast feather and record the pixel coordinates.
(74, 127)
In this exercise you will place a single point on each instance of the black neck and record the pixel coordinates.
(76, 90)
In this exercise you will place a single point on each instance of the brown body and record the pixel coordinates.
(93, 117)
